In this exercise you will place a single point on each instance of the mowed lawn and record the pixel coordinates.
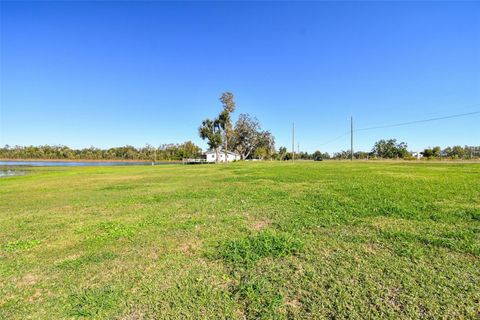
(244, 240)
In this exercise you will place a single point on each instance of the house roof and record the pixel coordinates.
(222, 152)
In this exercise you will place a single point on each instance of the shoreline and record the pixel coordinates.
(299, 160)
(89, 160)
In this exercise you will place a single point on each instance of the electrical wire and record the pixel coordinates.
(419, 121)
(401, 124)
(335, 139)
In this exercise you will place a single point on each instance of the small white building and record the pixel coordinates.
(417, 155)
(211, 156)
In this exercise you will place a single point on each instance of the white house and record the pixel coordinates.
(211, 156)
(417, 155)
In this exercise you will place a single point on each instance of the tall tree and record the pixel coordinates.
(246, 130)
(225, 119)
(248, 136)
(210, 130)
(282, 152)
(266, 141)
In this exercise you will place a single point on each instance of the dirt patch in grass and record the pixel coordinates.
(28, 279)
(39, 295)
(393, 298)
(293, 304)
(259, 225)
(371, 248)
(190, 247)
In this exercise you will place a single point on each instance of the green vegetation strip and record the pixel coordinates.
(387, 240)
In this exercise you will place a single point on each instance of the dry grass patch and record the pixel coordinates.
(259, 225)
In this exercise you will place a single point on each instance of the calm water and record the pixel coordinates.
(75, 163)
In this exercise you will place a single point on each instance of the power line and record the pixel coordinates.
(398, 125)
(335, 139)
(419, 121)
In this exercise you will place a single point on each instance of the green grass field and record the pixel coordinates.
(245, 240)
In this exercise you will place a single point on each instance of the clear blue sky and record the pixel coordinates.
(115, 73)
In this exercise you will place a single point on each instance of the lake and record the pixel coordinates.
(76, 163)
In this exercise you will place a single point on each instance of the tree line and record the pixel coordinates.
(383, 149)
(455, 152)
(284, 154)
(246, 137)
(164, 152)
(391, 149)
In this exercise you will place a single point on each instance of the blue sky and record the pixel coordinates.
(115, 73)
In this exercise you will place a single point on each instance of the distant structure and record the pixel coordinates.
(472, 151)
(211, 156)
(416, 154)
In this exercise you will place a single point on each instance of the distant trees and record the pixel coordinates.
(432, 152)
(390, 149)
(250, 140)
(386, 149)
(361, 155)
(284, 154)
(342, 155)
(455, 152)
(163, 152)
(187, 150)
(318, 155)
(246, 137)
(263, 148)
(345, 155)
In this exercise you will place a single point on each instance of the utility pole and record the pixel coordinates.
(351, 138)
(293, 142)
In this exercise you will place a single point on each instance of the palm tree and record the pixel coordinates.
(211, 131)
(225, 119)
